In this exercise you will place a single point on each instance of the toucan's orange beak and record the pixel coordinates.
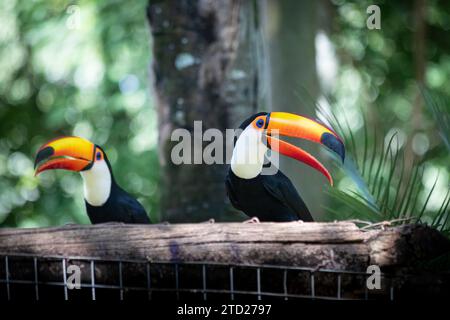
(69, 153)
(293, 125)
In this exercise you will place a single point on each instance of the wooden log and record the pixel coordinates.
(340, 246)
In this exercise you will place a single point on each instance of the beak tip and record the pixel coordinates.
(334, 143)
(43, 154)
(330, 179)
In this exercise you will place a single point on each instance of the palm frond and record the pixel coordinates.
(440, 109)
(442, 217)
(383, 191)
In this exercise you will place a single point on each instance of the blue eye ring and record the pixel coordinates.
(98, 155)
(260, 123)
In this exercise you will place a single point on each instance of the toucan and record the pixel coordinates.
(271, 196)
(105, 200)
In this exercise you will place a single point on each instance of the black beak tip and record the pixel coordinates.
(43, 154)
(334, 144)
(343, 154)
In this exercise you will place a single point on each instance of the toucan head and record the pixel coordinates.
(68, 153)
(81, 155)
(269, 125)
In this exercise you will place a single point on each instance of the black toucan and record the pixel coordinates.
(262, 191)
(105, 200)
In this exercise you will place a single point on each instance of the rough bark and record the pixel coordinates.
(341, 246)
(205, 68)
(176, 255)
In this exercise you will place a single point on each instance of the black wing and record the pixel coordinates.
(133, 210)
(231, 194)
(280, 187)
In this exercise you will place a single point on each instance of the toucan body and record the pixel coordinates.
(271, 196)
(105, 200)
(267, 197)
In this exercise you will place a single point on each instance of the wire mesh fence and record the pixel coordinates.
(53, 277)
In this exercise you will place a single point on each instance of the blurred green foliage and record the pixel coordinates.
(81, 68)
(373, 94)
(73, 69)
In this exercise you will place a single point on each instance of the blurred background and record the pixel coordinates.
(73, 69)
(83, 68)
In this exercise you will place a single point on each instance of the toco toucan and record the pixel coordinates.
(271, 196)
(105, 200)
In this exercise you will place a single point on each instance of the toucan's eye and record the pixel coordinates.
(260, 123)
(98, 156)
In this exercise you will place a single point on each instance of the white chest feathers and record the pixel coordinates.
(248, 154)
(97, 183)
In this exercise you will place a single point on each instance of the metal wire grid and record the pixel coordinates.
(231, 292)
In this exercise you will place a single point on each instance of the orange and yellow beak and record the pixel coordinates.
(69, 153)
(293, 125)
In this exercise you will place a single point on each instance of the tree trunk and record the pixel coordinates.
(205, 68)
(290, 29)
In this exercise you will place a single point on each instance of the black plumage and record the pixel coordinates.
(120, 206)
(267, 197)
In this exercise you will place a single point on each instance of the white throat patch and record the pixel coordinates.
(97, 183)
(248, 154)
